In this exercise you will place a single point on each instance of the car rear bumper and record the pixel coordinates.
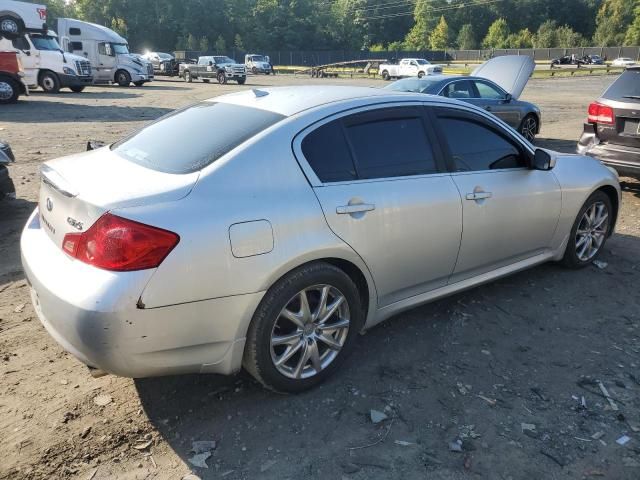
(625, 159)
(95, 315)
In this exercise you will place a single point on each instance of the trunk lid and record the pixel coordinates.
(511, 72)
(76, 190)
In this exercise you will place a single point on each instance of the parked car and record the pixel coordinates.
(568, 60)
(408, 67)
(258, 64)
(623, 62)
(495, 86)
(293, 225)
(7, 189)
(163, 63)
(612, 130)
(594, 59)
(12, 83)
(216, 67)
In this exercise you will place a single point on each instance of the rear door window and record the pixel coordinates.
(188, 140)
(391, 147)
(626, 88)
(328, 154)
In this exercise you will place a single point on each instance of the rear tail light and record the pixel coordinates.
(599, 113)
(115, 243)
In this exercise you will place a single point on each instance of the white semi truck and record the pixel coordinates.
(107, 52)
(23, 30)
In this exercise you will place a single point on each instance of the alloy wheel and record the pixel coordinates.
(529, 127)
(592, 231)
(9, 26)
(310, 331)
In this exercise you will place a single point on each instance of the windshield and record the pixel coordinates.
(165, 56)
(120, 48)
(258, 58)
(155, 146)
(415, 85)
(44, 42)
(423, 62)
(220, 60)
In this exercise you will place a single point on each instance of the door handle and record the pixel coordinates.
(478, 195)
(357, 208)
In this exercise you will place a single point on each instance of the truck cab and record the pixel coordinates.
(107, 52)
(258, 64)
(46, 65)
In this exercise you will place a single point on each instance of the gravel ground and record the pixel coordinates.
(500, 382)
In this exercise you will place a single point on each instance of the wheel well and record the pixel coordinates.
(356, 275)
(612, 193)
(42, 72)
(115, 75)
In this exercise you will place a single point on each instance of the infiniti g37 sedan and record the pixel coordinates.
(308, 215)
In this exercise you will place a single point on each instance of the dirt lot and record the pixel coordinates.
(510, 369)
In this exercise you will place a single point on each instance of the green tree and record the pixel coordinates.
(497, 35)
(545, 37)
(613, 20)
(220, 45)
(204, 44)
(439, 38)
(632, 37)
(425, 22)
(522, 39)
(467, 39)
(566, 37)
(192, 43)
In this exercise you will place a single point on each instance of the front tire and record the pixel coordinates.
(49, 82)
(241, 81)
(420, 74)
(123, 78)
(222, 78)
(76, 89)
(589, 232)
(187, 76)
(529, 127)
(304, 328)
(138, 84)
(9, 90)
(385, 75)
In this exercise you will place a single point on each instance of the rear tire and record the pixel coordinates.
(49, 82)
(385, 75)
(589, 232)
(9, 90)
(272, 336)
(420, 74)
(123, 78)
(187, 76)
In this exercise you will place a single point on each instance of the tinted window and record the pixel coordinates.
(190, 139)
(20, 43)
(75, 46)
(393, 147)
(476, 147)
(626, 88)
(74, 31)
(462, 89)
(327, 152)
(489, 91)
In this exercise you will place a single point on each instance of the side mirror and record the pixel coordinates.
(542, 160)
(211, 64)
(27, 52)
(508, 97)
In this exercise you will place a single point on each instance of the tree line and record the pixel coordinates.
(223, 25)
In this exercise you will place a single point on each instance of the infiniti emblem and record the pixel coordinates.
(49, 204)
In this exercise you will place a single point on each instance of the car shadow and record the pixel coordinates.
(513, 331)
(49, 111)
(87, 93)
(13, 216)
(632, 185)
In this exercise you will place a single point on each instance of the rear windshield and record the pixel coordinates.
(415, 85)
(188, 140)
(626, 88)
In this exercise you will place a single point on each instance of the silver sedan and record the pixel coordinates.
(306, 216)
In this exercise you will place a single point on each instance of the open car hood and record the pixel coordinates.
(511, 72)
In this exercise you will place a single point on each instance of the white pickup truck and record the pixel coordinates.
(18, 18)
(408, 67)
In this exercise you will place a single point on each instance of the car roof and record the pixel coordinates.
(289, 101)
